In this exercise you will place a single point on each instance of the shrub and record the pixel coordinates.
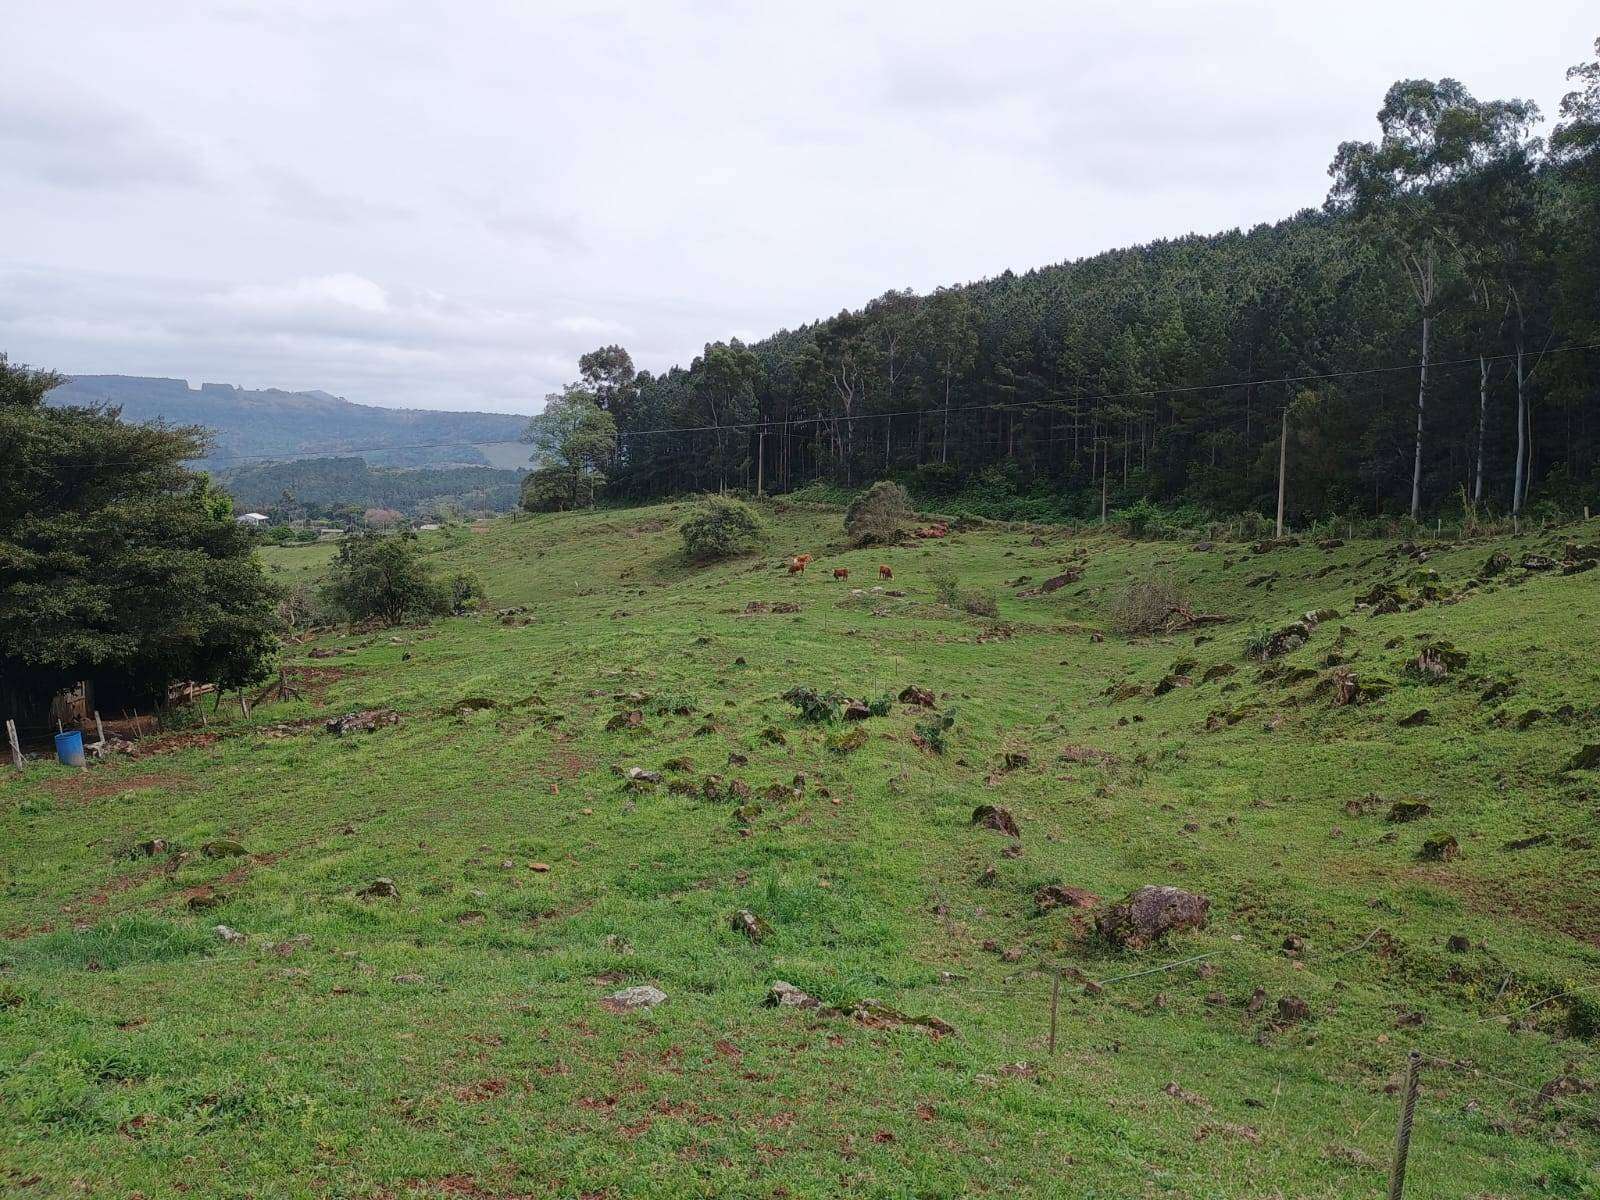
(1144, 606)
(383, 578)
(935, 729)
(879, 514)
(548, 489)
(466, 592)
(818, 708)
(1140, 516)
(980, 603)
(722, 528)
(945, 585)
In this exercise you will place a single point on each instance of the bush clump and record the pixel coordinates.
(722, 528)
(878, 515)
(378, 577)
(980, 603)
(466, 592)
(1144, 606)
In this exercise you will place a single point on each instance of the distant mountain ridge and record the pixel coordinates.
(255, 425)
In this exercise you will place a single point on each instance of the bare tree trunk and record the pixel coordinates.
(1483, 416)
(1519, 481)
(944, 445)
(1422, 402)
(1283, 461)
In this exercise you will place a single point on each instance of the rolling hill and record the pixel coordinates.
(270, 423)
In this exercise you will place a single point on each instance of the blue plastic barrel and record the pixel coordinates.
(69, 749)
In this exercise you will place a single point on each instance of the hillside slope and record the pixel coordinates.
(453, 1040)
(283, 424)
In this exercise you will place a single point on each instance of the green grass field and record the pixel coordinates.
(452, 1041)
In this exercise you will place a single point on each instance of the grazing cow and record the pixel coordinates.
(796, 565)
(841, 572)
(802, 558)
(884, 572)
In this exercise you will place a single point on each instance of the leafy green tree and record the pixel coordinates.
(576, 437)
(948, 336)
(608, 373)
(383, 577)
(117, 563)
(722, 527)
(1435, 136)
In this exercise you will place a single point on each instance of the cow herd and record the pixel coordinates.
(799, 562)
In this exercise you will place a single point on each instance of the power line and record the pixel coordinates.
(1280, 380)
(770, 424)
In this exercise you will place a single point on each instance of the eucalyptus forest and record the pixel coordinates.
(1427, 340)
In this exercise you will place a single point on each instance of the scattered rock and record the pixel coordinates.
(1292, 1009)
(1015, 760)
(1457, 943)
(1151, 912)
(879, 1015)
(1063, 895)
(752, 926)
(228, 935)
(1057, 582)
(1496, 563)
(631, 999)
(989, 816)
(1284, 641)
(363, 722)
(1529, 842)
(408, 979)
(856, 710)
(1586, 759)
(223, 848)
(1172, 682)
(1421, 717)
(786, 995)
(382, 888)
(1402, 811)
(921, 696)
(1441, 847)
(1537, 562)
(632, 719)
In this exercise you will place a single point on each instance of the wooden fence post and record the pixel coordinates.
(16, 748)
(1055, 1004)
(1402, 1137)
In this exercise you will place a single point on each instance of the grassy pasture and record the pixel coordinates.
(451, 1041)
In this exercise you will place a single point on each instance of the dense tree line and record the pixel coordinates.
(342, 488)
(1427, 326)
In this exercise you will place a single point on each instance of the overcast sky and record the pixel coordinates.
(443, 204)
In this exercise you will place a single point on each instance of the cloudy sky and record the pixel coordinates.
(443, 204)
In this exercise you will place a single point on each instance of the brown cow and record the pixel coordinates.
(796, 566)
(884, 572)
(841, 572)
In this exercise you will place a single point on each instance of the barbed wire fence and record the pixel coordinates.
(1042, 985)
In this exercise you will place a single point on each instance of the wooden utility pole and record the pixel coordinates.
(1105, 467)
(761, 457)
(1283, 460)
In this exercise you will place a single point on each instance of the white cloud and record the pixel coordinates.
(449, 204)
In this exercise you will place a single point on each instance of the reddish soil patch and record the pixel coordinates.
(173, 741)
(1539, 902)
(84, 786)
